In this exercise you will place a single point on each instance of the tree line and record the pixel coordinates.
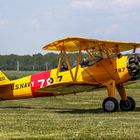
(36, 62)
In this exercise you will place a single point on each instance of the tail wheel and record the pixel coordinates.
(128, 105)
(110, 104)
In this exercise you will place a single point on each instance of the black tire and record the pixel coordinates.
(133, 103)
(110, 104)
(128, 105)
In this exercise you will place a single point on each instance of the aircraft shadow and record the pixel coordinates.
(17, 107)
(80, 111)
(137, 109)
(64, 110)
(58, 110)
(88, 111)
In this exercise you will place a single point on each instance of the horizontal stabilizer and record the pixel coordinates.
(4, 81)
(6, 84)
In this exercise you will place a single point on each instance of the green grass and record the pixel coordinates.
(68, 117)
(134, 86)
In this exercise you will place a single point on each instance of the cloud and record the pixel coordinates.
(109, 30)
(84, 3)
(106, 4)
(3, 23)
(126, 3)
(105, 19)
(35, 23)
(109, 12)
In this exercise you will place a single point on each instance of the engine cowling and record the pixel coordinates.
(133, 66)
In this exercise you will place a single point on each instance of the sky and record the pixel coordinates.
(27, 25)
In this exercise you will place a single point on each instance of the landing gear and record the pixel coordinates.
(110, 104)
(127, 105)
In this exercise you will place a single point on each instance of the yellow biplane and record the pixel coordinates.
(104, 67)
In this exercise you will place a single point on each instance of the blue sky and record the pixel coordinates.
(27, 25)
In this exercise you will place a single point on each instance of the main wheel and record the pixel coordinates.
(110, 104)
(128, 105)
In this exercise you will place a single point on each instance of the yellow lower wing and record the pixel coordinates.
(68, 87)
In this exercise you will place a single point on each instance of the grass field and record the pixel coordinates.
(68, 117)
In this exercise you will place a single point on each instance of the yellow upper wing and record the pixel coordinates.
(73, 44)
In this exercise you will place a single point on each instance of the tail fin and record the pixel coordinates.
(3, 78)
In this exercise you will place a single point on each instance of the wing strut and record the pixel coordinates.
(117, 50)
(100, 50)
(91, 57)
(134, 49)
(68, 63)
(73, 76)
(59, 63)
(77, 64)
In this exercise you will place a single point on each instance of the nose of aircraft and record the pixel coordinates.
(134, 66)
